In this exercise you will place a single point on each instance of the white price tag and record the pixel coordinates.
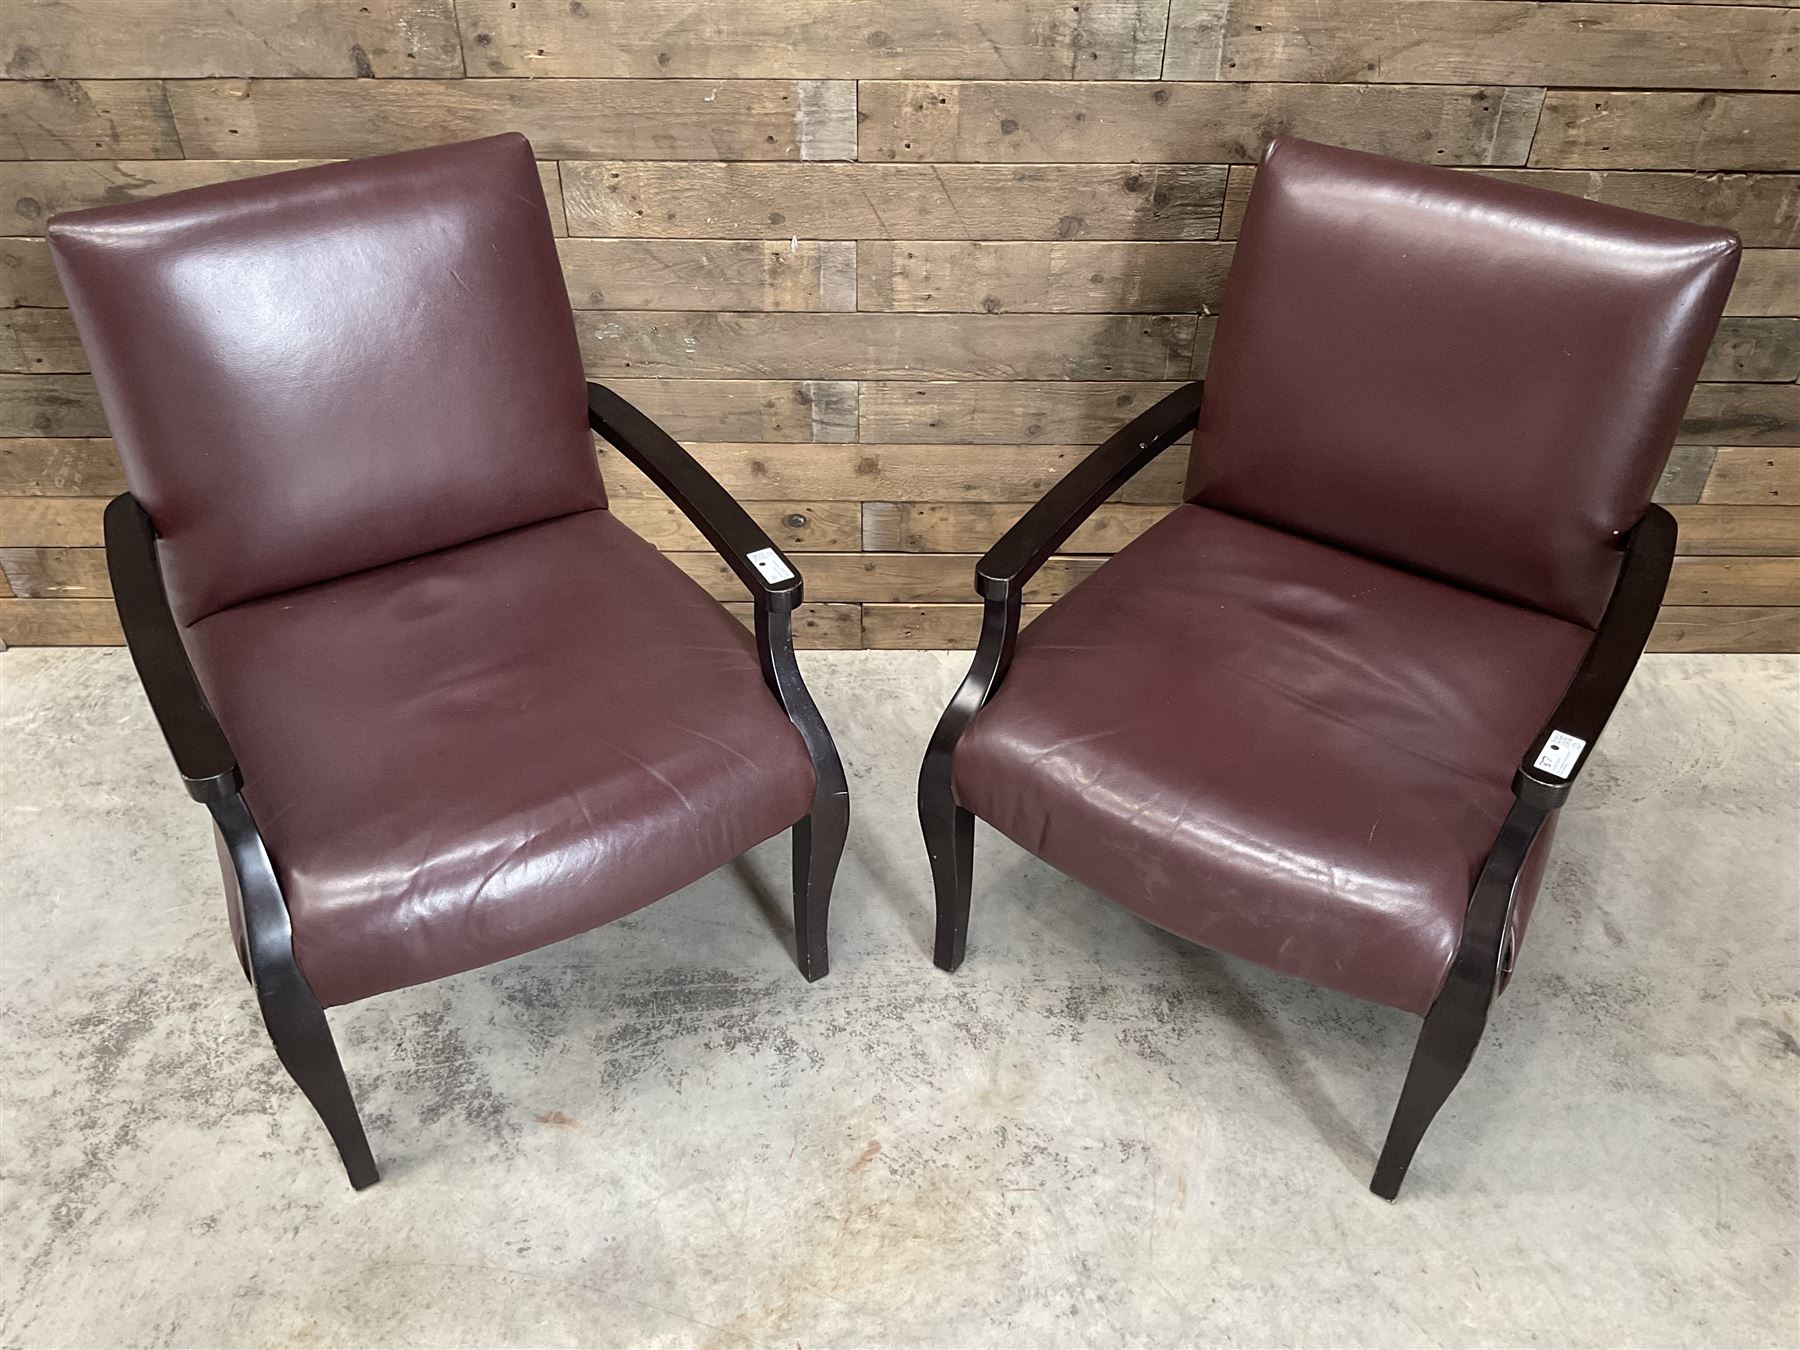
(769, 563)
(1559, 753)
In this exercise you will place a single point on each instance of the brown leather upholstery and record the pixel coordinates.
(1271, 746)
(1470, 378)
(326, 370)
(464, 756)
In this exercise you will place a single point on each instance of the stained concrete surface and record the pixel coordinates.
(657, 1134)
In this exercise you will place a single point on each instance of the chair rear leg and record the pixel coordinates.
(1447, 1042)
(303, 1042)
(818, 847)
(950, 840)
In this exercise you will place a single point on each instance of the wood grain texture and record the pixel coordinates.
(972, 527)
(1722, 628)
(1740, 531)
(862, 472)
(1041, 278)
(1764, 208)
(32, 192)
(912, 412)
(893, 201)
(1768, 282)
(721, 274)
(1754, 476)
(1734, 581)
(888, 346)
(1466, 41)
(31, 467)
(1017, 122)
(847, 39)
(1597, 129)
(564, 119)
(86, 119)
(27, 276)
(102, 39)
(889, 315)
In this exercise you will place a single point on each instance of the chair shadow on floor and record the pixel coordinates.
(1268, 1012)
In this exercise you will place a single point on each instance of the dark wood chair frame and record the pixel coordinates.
(1454, 1025)
(296, 1022)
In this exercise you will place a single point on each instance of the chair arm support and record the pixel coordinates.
(1561, 749)
(738, 539)
(1025, 547)
(202, 755)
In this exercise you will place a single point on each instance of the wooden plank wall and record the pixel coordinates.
(890, 267)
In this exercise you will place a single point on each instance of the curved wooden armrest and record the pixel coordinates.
(1024, 548)
(1561, 749)
(202, 755)
(738, 539)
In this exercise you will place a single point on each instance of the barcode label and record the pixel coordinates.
(769, 563)
(1559, 753)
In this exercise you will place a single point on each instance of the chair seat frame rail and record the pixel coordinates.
(295, 1019)
(1454, 1025)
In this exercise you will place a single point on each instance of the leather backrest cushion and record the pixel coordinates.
(320, 371)
(1470, 378)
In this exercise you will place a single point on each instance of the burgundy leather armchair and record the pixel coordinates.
(1323, 714)
(443, 706)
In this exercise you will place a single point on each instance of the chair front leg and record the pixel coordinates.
(293, 1016)
(1454, 1025)
(819, 836)
(949, 830)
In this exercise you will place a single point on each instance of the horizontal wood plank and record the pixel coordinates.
(41, 341)
(564, 119)
(1571, 43)
(747, 410)
(1023, 413)
(33, 191)
(100, 39)
(887, 346)
(1684, 476)
(1741, 531)
(1754, 476)
(1760, 349)
(857, 473)
(804, 527)
(59, 623)
(1689, 129)
(49, 405)
(927, 627)
(849, 39)
(627, 199)
(1082, 277)
(1734, 581)
(1057, 122)
(86, 119)
(35, 467)
(710, 274)
(1743, 414)
(1759, 206)
(1768, 283)
(1725, 628)
(27, 276)
(56, 573)
(51, 522)
(972, 527)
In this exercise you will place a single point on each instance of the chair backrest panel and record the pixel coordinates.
(1464, 376)
(321, 371)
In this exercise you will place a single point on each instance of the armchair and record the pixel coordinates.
(1322, 716)
(443, 706)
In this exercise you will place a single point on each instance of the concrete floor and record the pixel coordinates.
(1093, 1134)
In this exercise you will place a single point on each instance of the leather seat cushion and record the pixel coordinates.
(473, 753)
(1275, 748)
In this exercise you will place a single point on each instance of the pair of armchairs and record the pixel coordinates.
(445, 708)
